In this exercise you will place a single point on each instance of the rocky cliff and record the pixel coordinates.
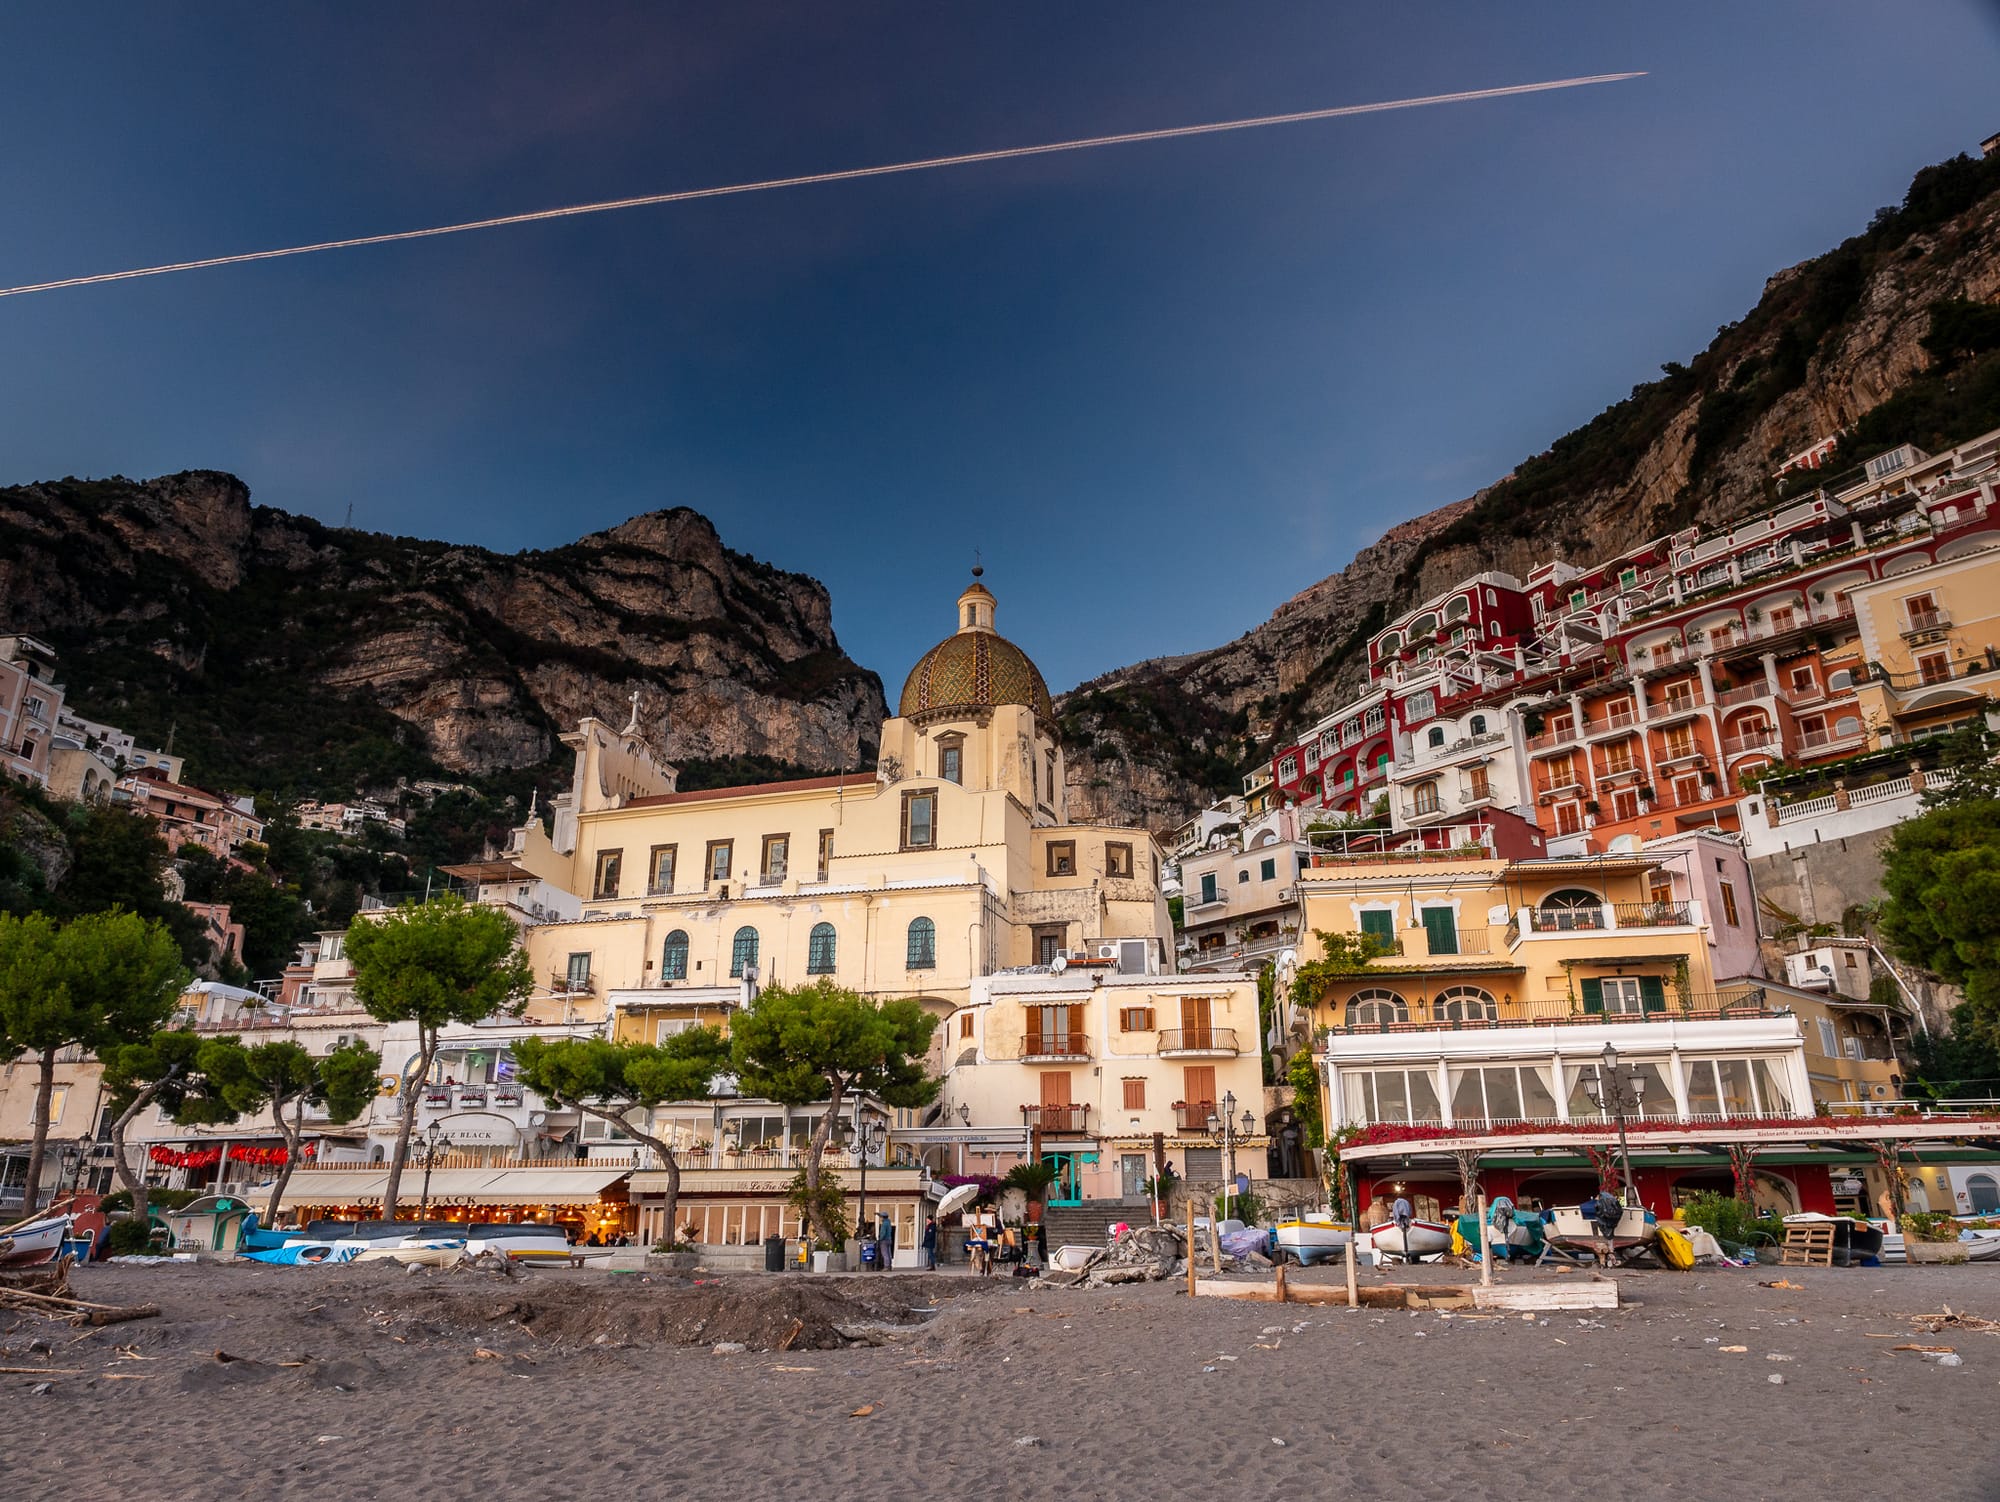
(1892, 337)
(284, 654)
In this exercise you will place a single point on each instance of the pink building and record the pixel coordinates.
(30, 701)
(190, 814)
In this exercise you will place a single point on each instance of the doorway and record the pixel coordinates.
(1132, 1178)
(1068, 1186)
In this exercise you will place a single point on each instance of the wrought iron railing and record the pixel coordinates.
(1175, 1040)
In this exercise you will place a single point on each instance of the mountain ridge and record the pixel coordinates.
(1889, 337)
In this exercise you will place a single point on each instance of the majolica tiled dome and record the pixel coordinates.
(973, 670)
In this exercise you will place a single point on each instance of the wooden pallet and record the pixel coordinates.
(1807, 1246)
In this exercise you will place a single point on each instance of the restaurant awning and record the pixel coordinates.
(539, 1186)
(334, 1186)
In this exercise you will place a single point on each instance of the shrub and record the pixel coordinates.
(1725, 1217)
(125, 1238)
(1929, 1225)
(156, 1199)
(1247, 1208)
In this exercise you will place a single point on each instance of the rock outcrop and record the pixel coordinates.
(263, 639)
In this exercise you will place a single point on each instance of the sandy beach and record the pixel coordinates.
(365, 1382)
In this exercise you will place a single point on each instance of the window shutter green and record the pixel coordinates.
(1442, 926)
(1379, 922)
(1652, 993)
(1593, 995)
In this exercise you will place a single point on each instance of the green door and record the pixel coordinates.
(1379, 925)
(1068, 1187)
(1441, 926)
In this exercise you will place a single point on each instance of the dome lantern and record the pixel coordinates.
(973, 670)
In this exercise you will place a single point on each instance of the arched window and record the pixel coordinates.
(1459, 608)
(819, 950)
(1390, 644)
(674, 956)
(1571, 908)
(922, 953)
(743, 951)
(1476, 725)
(1465, 1004)
(1375, 1007)
(1984, 1192)
(1436, 736)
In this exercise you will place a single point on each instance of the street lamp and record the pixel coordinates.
(1223, 1127)
(865, 1138)
(1619, 1091)
(436, 1145)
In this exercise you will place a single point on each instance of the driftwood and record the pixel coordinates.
(76, 1311)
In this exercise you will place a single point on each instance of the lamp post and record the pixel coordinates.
(865, 1138)
(1619, 1091)
(436, 1145)
(1223, 1128)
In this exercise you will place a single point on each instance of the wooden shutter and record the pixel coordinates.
(1055, 1088)
(1652, 994)
(1198, 1084)
(1441, 924)
(1380, 922)
(1135, 1095)
(1194, 1013)
(1593, 995)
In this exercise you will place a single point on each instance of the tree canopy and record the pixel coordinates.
(284, 1076)
(162, 1070)
(1941, 880)
(616, 1082)
(435, 963)
(822, 1042)
(96, 981)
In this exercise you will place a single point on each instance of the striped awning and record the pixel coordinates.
(473, 1186)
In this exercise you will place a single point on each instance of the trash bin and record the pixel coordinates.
(774, 1254)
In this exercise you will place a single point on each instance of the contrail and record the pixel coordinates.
(929, 163)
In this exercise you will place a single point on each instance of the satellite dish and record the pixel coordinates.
(1288, 959)
(1059, 964)
(956, 1198)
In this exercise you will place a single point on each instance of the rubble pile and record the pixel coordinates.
(1140, 1254)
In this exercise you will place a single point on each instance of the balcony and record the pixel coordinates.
(1616, 723)
(1755, 740)
(1746, 693)
(572, 983)
(1677, 707)
(1053, 1047)
(1826, 742)
(1698, 1006)
(1562, 735)
(1056, 1119)
(1192, 1115)
(1184, 1042)
(1923, 624)
(1565, 920)
(1651, 914)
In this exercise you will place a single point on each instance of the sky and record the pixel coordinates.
(1157, 388)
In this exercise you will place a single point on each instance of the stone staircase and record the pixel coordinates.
(1090, 1223)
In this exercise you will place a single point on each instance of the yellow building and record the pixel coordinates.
(1930, 637)
(931, 878)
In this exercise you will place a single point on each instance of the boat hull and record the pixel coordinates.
(1572, 1228)
(33, 1242)
(1425, 1238)
(1311, 1241)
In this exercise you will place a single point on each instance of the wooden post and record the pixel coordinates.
(1485, 1250)
(1215, 1239)
(1353, 1294)
(1191, 1251)
(1279, 1280)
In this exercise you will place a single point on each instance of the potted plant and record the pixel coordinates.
(1590, 805)
(1645, 792)
(1034, 1180)
(1931, 1236)
(672, 1257)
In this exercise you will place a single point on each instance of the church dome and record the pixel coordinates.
(973, 670)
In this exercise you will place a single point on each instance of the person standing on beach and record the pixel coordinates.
(930, 1244)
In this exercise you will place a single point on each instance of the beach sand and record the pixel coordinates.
(366, 1382)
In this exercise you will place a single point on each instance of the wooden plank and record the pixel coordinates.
(1265, 1293)
(1591, 1293)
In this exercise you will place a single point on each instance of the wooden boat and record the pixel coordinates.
(1313, 1238)
(417, 1253)
(1574, 1231)
(33, 1242)
(1426, 1238)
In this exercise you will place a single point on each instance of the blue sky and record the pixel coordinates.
(1162, 387)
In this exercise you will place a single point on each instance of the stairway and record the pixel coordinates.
(1090, 1223)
